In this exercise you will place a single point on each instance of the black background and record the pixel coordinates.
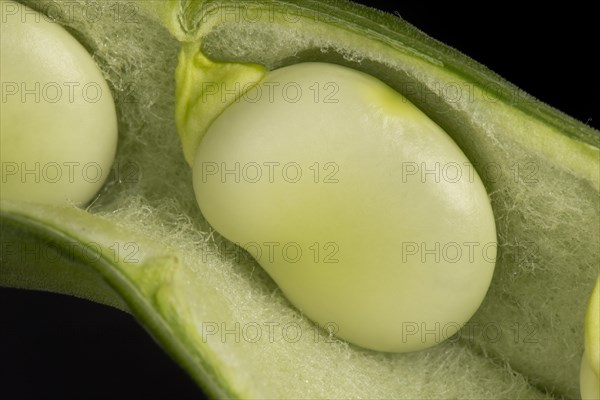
(54, 346)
